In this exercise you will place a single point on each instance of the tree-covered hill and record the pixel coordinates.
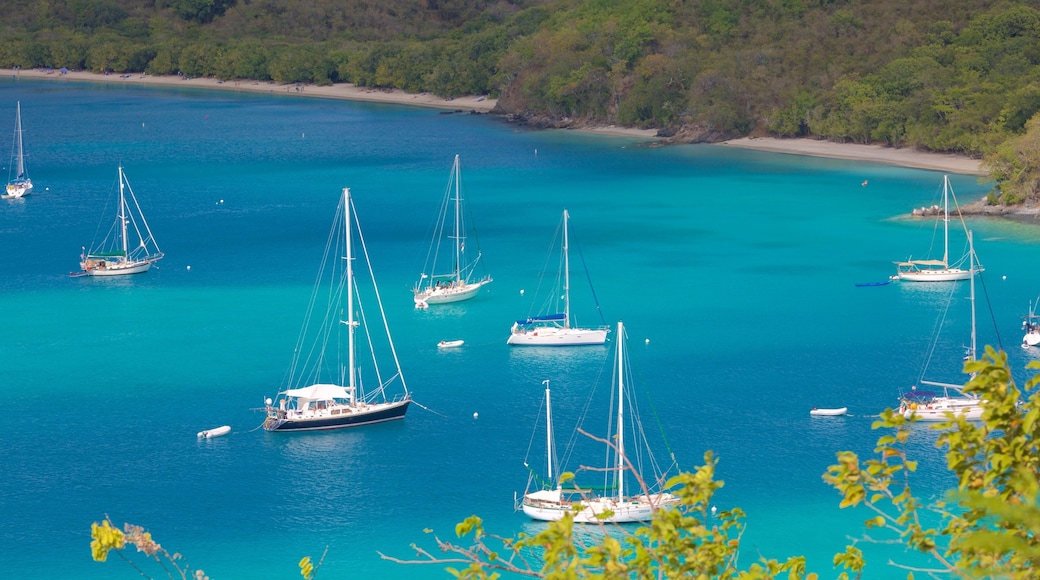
(944, 75)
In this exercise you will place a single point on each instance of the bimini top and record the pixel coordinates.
(546, 318)
(319, 392)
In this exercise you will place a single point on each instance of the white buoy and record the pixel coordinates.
(648, 341)
(521, 291)
(189, 268)
(1003, 278)
(713, 510)
(474, 415)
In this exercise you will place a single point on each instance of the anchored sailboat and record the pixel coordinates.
(554, 328)
(459, 282)
(553, 501)
(927, 406)
(19, 185)
(324, 393)
(937, 270)
(115, 255)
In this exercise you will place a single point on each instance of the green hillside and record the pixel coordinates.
(942, 75)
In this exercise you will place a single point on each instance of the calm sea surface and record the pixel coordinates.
(734, 272)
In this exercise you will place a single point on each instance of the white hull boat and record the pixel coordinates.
(211, 433)
(838, 412)
(460, 280)
(938, 270)
(953, 402)
(128, 247)
(554, 502)
(556, 329)
(19, 185)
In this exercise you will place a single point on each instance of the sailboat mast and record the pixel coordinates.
(971, 251)
(621, 411)
(350, 292)
(18, 130)
(566, 274)
(458, 240)
(946, 221)
(550, 460)
(122, 213)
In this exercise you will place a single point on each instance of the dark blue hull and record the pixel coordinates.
(394, 412)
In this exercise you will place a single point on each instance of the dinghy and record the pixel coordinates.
(211, 433)
(449, 343)
(828, 412)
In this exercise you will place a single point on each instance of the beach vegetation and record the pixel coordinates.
(957, 76)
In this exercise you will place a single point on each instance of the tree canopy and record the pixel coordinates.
(958, 76)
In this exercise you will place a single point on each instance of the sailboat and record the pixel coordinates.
(555, 329)
(937, 270)
(553, 501)
(115, 255)
(928, 406)
(458, 283)
(1031, 324)
(325, 392)
(19, 185)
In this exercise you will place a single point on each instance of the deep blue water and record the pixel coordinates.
(734, 272)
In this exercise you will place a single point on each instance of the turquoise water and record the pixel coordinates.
(734, 272)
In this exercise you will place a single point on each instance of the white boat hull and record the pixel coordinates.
(121, 269)
(1031, 339)
(217, 432)
(943, 408)
(829, 412)
(945, 275)
(592, 511)
(557, 337)
(18, 190)
(450, 344)
(447, 295)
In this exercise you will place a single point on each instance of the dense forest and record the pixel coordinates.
(942, 75)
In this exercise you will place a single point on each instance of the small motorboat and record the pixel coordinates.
(815, 412)
(211, 433)
(449, 343)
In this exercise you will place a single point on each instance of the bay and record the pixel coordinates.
(734, 272)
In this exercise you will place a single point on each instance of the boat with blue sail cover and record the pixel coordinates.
(556, 328)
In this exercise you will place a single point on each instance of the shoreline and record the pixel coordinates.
(480, 104)
(902, 157)
(341, 91)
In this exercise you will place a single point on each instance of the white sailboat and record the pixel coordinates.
(937, 270)
(553, 501)
(323, 391)
(18, 185)
(459, 282)
(1031, 324)
(554, 328)
(115, 255)
(928, 406)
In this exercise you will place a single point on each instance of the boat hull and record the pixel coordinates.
(947, 275)
(448, 295)
(557, 337)
(365, 415)
(593, 511)
(217, 432)
(120, 268)
(942, 409)
(1031, 339)
(18, 190)
(829, 412)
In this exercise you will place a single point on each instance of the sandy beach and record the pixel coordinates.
(480, 104)
(902, 157)
(344, 91)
